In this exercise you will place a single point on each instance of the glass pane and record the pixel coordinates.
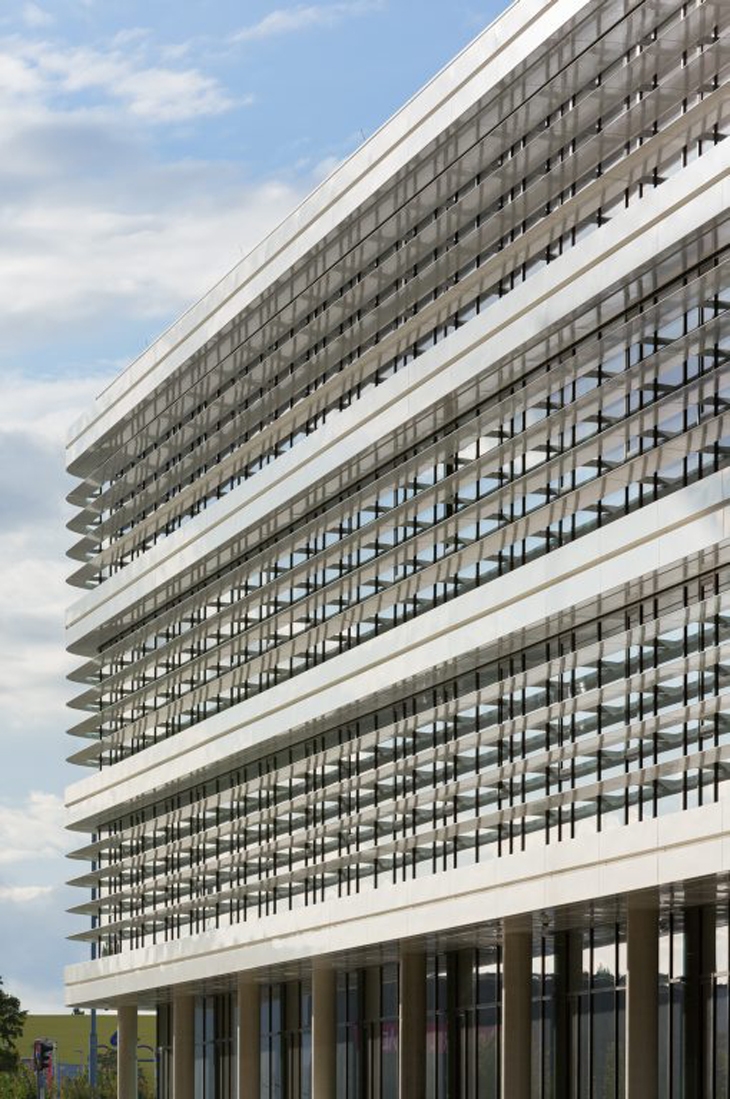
(389, 1059)
(341, 1060)
(353, 1063)
(487, 1053)
(604, 957)
(584, 1054)
(306, 1065)
(277, 1083)
(604, 1044)
(536, 1041)
(389, 992)
(677, 1005)
(663, 1036)
(722, 1039)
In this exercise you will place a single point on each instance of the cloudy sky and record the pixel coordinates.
(144, 149)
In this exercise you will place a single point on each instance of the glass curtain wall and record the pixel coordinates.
(350, 1035)
(578, 1009)
(715, 995)
(597, 1006)
(437, 1026)
(643, 731)
(549, 1017)
(286, 1041)
(381, 1027)
(693, 1003)
(271, 1059)
(298, 1040)
(578, 1021)
(164, 1051)
(463, 1024)
(478, 1023)
(215, 1047)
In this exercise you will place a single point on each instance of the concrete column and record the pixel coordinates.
(249, 1038)
(516, 1010)
(642, 997)
(324, 1034)
(183, 1047)
(127, 1053)
(412, 1026)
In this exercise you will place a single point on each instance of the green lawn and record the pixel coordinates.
(71, 1033)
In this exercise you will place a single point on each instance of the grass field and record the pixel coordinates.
(71, 1034)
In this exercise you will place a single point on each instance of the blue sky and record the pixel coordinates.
(144, 149)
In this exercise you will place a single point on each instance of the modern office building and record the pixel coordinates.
(403, 681)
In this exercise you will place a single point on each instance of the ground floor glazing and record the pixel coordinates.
(623, 1001)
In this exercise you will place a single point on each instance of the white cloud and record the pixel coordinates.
(43, 408)
(92, 223)
(30, 831)
(120, 72)
(17, 77)
(33, 16)
(155, 94)
(79, 256)
(175, 51)
(290, 20)
(41, 997)
(130, 35)
(24, 894)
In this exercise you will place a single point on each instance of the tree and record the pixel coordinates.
(11, 1029)
(18, 1085)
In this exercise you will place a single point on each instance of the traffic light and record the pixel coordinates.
(42, 1054)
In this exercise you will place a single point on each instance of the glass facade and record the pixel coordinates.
(578, 1040)
(286, 1041)
(215, 1047)
(367, 1012)
(403, 629)
(164, 1077)
(511, 190)
(463, 1022)
(639, 413)
(616, 720)
(596, 962)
